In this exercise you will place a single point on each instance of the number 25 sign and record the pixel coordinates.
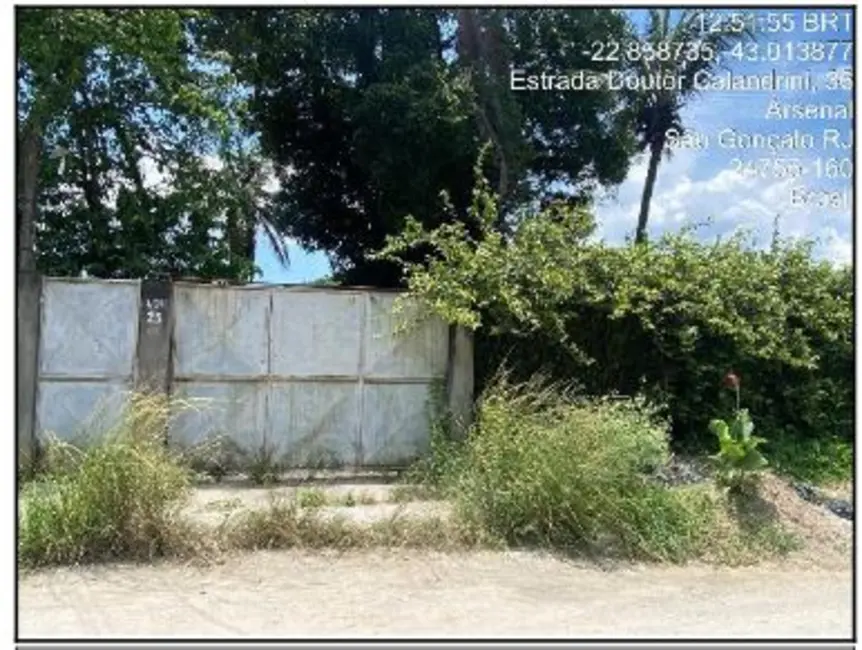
(155, 309)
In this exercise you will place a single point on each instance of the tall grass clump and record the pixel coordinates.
(542, 466)
(112, 497)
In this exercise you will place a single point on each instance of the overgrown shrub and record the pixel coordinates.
(821, 461)
(544, 467)
(113, 498)
(665, 318)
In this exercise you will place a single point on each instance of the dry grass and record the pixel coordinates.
(408, 493)
(284, 524)
(758, 531)
(543, 467)
(317, 498)
(560, 481)
(825, 540)
(777, 523)
(838, 490)
(774, 524)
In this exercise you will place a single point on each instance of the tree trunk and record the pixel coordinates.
(652, 171)
(483, 58)
(235, 234)
(29, 162)
(250, 241)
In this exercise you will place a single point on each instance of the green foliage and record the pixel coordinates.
(394, 86)
(137, 110)
(310, 498)
(813, 460)
(55, 44)
(541, 466)
(738, 458)
(515, 284)
(666, 319)
(431, 471)
(446, 440)
(112, 499)
(263, 467)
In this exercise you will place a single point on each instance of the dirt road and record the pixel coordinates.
(412, 594)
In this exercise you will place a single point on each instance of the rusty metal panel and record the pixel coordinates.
(395, 427)
(89, 329)
(315, 333)
(315, 424)
(75, 411)
(221, 331)
(419, 353)
(233, 410)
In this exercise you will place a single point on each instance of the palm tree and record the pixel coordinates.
(253, 210)
(658, 111)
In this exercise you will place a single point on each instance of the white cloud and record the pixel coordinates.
(160, 180)
(730, 200)
(271, 184)
(837, 247)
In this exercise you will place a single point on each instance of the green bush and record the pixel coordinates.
(819, 461)
(667, 318)
(112, 499)
(541, 466)
(675, 320)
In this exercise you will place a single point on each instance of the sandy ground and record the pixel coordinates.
(415, 594)
(217, 503)
(226, 495)
(423, 594)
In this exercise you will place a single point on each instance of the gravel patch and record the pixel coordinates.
(840, 507)
(682, 471)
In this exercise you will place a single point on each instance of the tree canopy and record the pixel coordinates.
(108, 101)
(371, 113)
(365, 116)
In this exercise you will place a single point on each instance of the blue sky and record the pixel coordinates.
(699, 184)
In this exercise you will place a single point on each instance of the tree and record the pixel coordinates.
(362, 117)
(658, 111)
(369, 114)
(125, 97)
(570, 141)
(481, 48)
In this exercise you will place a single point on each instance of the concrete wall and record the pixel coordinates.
(311, 376)
(87, 354)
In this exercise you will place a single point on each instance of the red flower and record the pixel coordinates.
(731, 380)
